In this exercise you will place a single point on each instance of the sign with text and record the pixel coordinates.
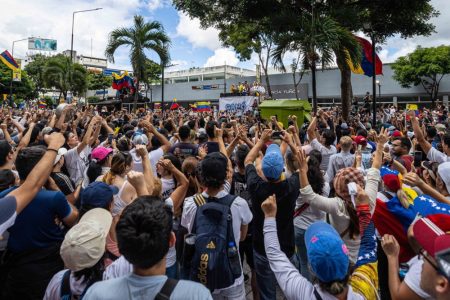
(287, 91)
(237, 105)
(42, 44)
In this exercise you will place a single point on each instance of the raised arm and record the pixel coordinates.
(141, 150)
(253, 154)
(39, 175)
(179, 193)
(87, 135)
(418, 133)
(412, 179)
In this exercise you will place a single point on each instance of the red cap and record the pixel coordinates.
(397, 134)
(433, 233)
(392, 182)
(360, 140)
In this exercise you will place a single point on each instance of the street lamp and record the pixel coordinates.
(12, 72)
(368, 27)
(379, 88)
(73, 21)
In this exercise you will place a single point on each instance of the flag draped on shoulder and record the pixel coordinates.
(366, 66)
(8, 60)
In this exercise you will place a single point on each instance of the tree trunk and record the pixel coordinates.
(314, 87)
(295, 85)
(346, 89)
(136, 95)
(269, 90)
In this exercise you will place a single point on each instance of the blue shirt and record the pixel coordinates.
(35, 227)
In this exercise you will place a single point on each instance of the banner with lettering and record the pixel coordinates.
(238, 105)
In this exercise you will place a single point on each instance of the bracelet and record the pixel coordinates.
(50, 149)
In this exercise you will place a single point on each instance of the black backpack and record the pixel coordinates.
(215, 262)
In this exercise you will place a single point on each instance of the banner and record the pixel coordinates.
(238, 105)
(17, 75)
(41, 44)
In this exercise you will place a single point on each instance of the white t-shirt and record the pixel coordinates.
(77, 163)
(53, 290)
(412, 278)
(239, 210)
(154, 157)
(435, 155)
(167, 187)
(326, 153)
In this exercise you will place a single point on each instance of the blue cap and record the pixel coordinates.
(98, 194)
(273, 163)
(327, 253)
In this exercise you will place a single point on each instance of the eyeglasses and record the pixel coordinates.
(423, 253)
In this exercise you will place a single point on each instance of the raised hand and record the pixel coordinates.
(269, 207)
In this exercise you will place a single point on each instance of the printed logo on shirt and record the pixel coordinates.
(211, 245)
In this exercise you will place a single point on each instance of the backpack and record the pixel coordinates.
(215, 262)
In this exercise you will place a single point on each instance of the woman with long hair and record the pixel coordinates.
(100, 163)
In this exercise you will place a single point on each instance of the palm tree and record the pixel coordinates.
(61, 74)
(319, 40)
(141, 36)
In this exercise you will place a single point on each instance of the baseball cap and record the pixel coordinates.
(61, 152)
(440, 127)
(344, 125)
(272, 162)
(140, 139)
(444, 173)
(84, 244)
(431, 168)
(396, 133)
(100, 153)
(360, 140)
(433, 234)
(214, 166)
(98, 194)
(327, 253)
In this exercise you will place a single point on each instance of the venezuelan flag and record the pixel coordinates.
(122, 81)
(174, 104)
(42, 104)
(366, 66)
(203, 106)
(8, 60)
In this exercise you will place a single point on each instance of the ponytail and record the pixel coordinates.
(94, 170)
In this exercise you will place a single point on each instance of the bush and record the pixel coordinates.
(93, 99)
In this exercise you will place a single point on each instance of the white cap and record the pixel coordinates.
(84, 244)
(444, 173)
(61, 152)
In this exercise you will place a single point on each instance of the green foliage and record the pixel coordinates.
(61, 74)
(49, 101)
(152, 72)
(98, 81)
(23, 89)
(93, 99)
(425, 67)
(35, 70)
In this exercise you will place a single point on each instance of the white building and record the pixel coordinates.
(208, 73)
(94, 64)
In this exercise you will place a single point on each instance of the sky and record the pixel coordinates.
(191, 45)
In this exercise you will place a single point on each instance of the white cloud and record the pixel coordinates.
(198, 37)
(221, 57)
(177, 65)
(153, 5)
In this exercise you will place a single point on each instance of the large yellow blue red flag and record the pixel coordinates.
(8, 60)
(366, 66)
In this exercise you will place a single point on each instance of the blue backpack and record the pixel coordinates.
(215, 262)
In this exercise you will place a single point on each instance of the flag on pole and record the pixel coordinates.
(366, 66)
(203, 106)
(8, 60)
(174, 104)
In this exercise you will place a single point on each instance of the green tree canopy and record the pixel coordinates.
(35, 70)
(24, 89)
(140, 37)
(65, 76)
(425, 67)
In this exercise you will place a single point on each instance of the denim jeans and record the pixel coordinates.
(267, 283)
(301, 252)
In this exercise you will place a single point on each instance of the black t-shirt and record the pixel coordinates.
(286, 192)
(213, 147)
(184, 149)
(63, 182)
(239, 188)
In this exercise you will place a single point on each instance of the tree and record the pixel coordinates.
(23, 89)
(425, 67)
(301, 71)
(249, 38)
(153, 73)
(98, 81)
(318, 39)
(140, 37)
(404, 17)
(62, 74)
(35, 70)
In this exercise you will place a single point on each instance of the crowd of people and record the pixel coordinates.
(246, 89)
(178, 204)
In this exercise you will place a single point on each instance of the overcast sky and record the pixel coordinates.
(191, 45)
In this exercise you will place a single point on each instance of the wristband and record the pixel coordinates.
(50, 149)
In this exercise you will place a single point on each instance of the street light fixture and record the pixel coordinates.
(73, 21)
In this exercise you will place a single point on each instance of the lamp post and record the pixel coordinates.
(73, 22)
(12, 72)
(368, 27)
(379, 88)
